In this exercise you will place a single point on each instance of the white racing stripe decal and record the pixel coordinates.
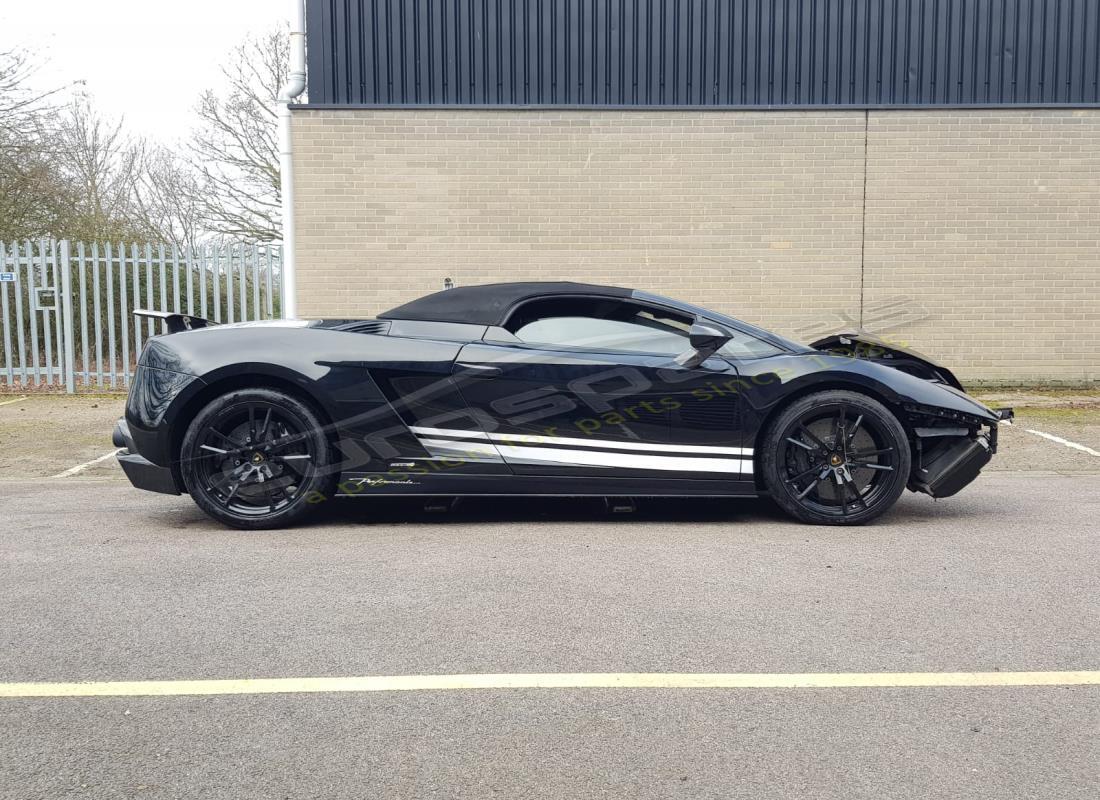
(447, 432)
(478, 446)
(522, 438)
(599, 458)
(563, 441)
(468, 451)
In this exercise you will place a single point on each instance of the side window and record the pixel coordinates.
(600, 324)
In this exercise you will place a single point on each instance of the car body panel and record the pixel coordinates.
(772, 380)
(333, 368)
(552, 412)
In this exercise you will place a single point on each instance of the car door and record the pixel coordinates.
(568, 391)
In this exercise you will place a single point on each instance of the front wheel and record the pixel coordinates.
(255, 458)
(836, 458)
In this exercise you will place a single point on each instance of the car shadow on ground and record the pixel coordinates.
(444, 510)
(448, 510)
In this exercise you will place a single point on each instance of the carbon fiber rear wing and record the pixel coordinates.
(175, 322)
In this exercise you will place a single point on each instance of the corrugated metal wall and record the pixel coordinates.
(733, 53)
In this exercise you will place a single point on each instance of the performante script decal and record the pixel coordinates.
(375, 481)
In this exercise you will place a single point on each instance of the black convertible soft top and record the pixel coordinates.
(490, 303)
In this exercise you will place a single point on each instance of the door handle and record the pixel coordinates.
(481, 370)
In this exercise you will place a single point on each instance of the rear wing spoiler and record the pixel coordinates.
(175, 322)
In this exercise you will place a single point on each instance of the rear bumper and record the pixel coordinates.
(143, 474)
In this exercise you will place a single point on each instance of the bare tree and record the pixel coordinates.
(235, 147)
(103, 167)
(22, 108)
(70, 172)
(169, 199)
(32, 191)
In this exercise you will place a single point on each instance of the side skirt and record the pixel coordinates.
(367, 484)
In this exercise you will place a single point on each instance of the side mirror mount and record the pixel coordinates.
(705, 340)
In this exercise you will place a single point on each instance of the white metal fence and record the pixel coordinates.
(68, 306)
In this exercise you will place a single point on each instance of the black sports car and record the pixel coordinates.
(542, 389)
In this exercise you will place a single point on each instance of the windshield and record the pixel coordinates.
(724, 319)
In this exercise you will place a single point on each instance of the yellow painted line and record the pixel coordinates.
(10, 402)
(562, 680)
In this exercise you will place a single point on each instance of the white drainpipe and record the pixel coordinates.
(295, 85)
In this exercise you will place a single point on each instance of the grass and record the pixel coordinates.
(1078, 415)
(1046, 390)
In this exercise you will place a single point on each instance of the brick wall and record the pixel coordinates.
(981, 243)
(991, 222)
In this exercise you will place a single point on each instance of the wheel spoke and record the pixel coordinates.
(232, 493)
(813, 483)
(802, 475)
(221, 480)
(811, 437)
(838, 428)
(850, 484)
(287, 441)
(800, 443)
(854, 429)
(869, 453)
(228, 440)
(262, 436)
(275, 486)
(297, 463)
(213, 449)
(252, 425)
(866, 465)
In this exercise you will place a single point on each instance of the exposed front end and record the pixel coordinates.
(951, 448)
(953, 436)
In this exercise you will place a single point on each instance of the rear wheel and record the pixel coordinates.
(252, 458)
(836, 458)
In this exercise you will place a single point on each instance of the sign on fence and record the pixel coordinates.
(68, 307)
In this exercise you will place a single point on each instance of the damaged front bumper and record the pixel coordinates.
(950, 454)
(948, 458)
(946, 468)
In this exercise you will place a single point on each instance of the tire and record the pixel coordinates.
(257, 459)
(835, 457)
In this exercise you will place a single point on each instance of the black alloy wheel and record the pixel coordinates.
(252, 457)
(836, 458)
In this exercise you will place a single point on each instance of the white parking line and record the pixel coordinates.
(85, 465)
(1066, 442)
(10, 402)
(563, 680)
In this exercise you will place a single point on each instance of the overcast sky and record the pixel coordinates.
(145, 59)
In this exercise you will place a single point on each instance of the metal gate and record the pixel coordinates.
(68, 307)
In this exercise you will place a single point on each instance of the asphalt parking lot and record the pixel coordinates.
(103, 583)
